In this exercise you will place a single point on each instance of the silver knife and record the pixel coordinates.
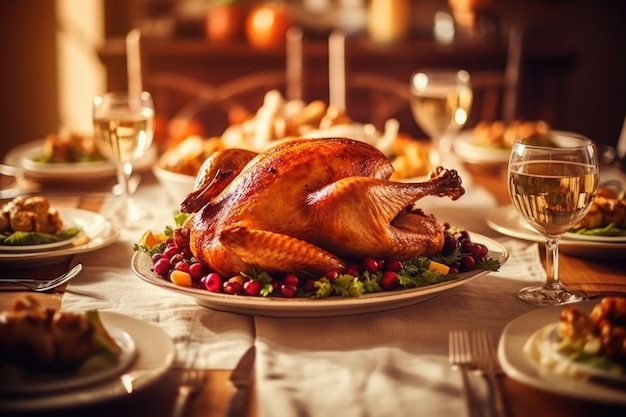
(242, 378)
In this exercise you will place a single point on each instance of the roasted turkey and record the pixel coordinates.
(308, 205)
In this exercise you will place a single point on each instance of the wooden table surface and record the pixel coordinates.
(156, 400)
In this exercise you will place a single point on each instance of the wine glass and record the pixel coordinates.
(440, 101)
(123, 131)
(552, 185)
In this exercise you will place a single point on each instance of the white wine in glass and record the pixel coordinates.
(123, 131)
(441, 100)
(553, 186)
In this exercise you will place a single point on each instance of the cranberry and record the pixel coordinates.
(196, 270)
(468, 263)
(182, 266)
(450, 244)
(389, 281)
(479, 251)
(170, 251)
(162, 267)
(252, 287)
(212, 282)
(394, 265)
(291, 279)
(232, 287)
(309, 284)
(176, 258)
(331, 275)
(288, 291)
(353, 270)
(371, 265)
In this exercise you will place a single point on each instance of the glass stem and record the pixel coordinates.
(552, 263)
(435, 155)
(124, 172)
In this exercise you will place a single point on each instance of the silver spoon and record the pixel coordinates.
(45, 285)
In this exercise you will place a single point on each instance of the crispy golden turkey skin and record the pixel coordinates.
(308, 205)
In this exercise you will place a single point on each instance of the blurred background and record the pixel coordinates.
(57, 54)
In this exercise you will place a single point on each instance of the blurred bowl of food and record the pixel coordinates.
(177, 185)
(178, 167)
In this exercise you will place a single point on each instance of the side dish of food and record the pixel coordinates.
(279, 119)
(68, 147)
(584, 345)
(501, 135)
(40, 346)
(607, 216)
(28, 221)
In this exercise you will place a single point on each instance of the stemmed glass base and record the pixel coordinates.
(550, 295)
(127, 213)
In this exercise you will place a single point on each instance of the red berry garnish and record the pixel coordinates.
(196, 270)
(182, 266)
(331, 275)
(394, 265)
(291, 279)
(232, 287)
(162, 267)
(309, 285)
(389, 281)
(353, 270)
(212, 282)
(468, 263)
(288, 291)
(371, 265)
(176, 258)
(170, 251)
(252, 287)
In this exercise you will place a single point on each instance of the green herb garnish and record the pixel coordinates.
(36, 238)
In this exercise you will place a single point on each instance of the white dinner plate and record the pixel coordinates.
(31, 382)
(155, 356)
(519, 366)
(506, 220)
(467, 151)
(141, 265)
(96, 232)
(23, 157)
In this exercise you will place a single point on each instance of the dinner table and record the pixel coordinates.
(318, 361)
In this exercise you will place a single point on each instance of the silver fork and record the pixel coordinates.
(487, 364)
(460, 357)
(190, 384)
(39, 285)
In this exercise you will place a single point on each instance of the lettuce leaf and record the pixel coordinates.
(37, 238)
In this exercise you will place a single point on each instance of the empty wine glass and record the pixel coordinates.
(440, 100)
(552, 185)
(123, 131)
